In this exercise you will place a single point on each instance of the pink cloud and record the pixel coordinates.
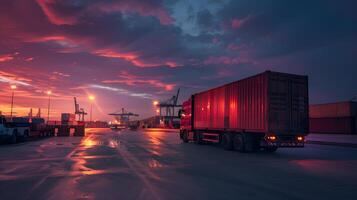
(172, 64)
(238, 23)
(72, 44)
(47, 7)
(10, 78)
(29, 59)
(134, 80)
(134, 58)
(49, 38)
(131, 56)
(144, 8)
(6, 58)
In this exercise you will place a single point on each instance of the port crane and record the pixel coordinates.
(123, 115)
(122, 118)
(169, 107)
(79, 111)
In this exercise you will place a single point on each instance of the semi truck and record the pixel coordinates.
(13, 132)
(263, 112)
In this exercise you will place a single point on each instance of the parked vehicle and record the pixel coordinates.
(265, 111)
(13, 132)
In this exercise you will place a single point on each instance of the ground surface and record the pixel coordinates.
(156, 165)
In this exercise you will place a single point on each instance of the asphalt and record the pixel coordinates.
(343, 140)
(155, 164)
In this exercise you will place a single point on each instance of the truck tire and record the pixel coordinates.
(227, 141)
(185, 136)
(251, 142)
(26, 135)
(13, 138)
(198, 138)
(270, 149)
(239, 143)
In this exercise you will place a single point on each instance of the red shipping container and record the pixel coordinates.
(68, 117)
(332, 110)
(337, 125)
(270, 102)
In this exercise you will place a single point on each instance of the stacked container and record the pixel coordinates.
(339, 118)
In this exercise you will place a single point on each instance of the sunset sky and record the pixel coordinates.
(130, 52)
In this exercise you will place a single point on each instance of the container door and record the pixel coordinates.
(300, 103)
(288, 104)
(279, 103)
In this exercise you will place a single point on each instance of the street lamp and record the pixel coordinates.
(13, 88)
(91, 99)
(155, 103)
(48, 105)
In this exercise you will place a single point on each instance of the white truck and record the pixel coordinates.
(13, 132)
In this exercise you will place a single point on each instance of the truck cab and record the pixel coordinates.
(12, 132)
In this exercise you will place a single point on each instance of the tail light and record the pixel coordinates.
(300, 138)
(271, 137)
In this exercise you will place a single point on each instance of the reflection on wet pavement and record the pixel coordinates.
(320, 167)
(154, 164)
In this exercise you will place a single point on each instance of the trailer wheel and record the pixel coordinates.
(239, 143)
(24, 136)
(185, 136)
(227, 142)
(270, 149)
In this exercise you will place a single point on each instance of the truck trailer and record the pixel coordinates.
(265, 111)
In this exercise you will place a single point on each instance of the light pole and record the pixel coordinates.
(13, 88)
(91, 99)
(156, 104)
(48, 105)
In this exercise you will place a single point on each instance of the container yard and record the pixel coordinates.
(269, 112)
(178, 100)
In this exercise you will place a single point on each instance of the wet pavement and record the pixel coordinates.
(155, 164)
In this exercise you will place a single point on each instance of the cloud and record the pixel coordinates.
(139, 81)
(49, 9)
(213, 60)
(13, 79)
(238, 23)
(144, 8)
(70, 13)
(130, 56)
(133, 57)
(61, 74)
(6, 58)
(29, 59)
(122, 91)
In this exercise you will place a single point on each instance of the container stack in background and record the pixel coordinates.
(337, 118)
